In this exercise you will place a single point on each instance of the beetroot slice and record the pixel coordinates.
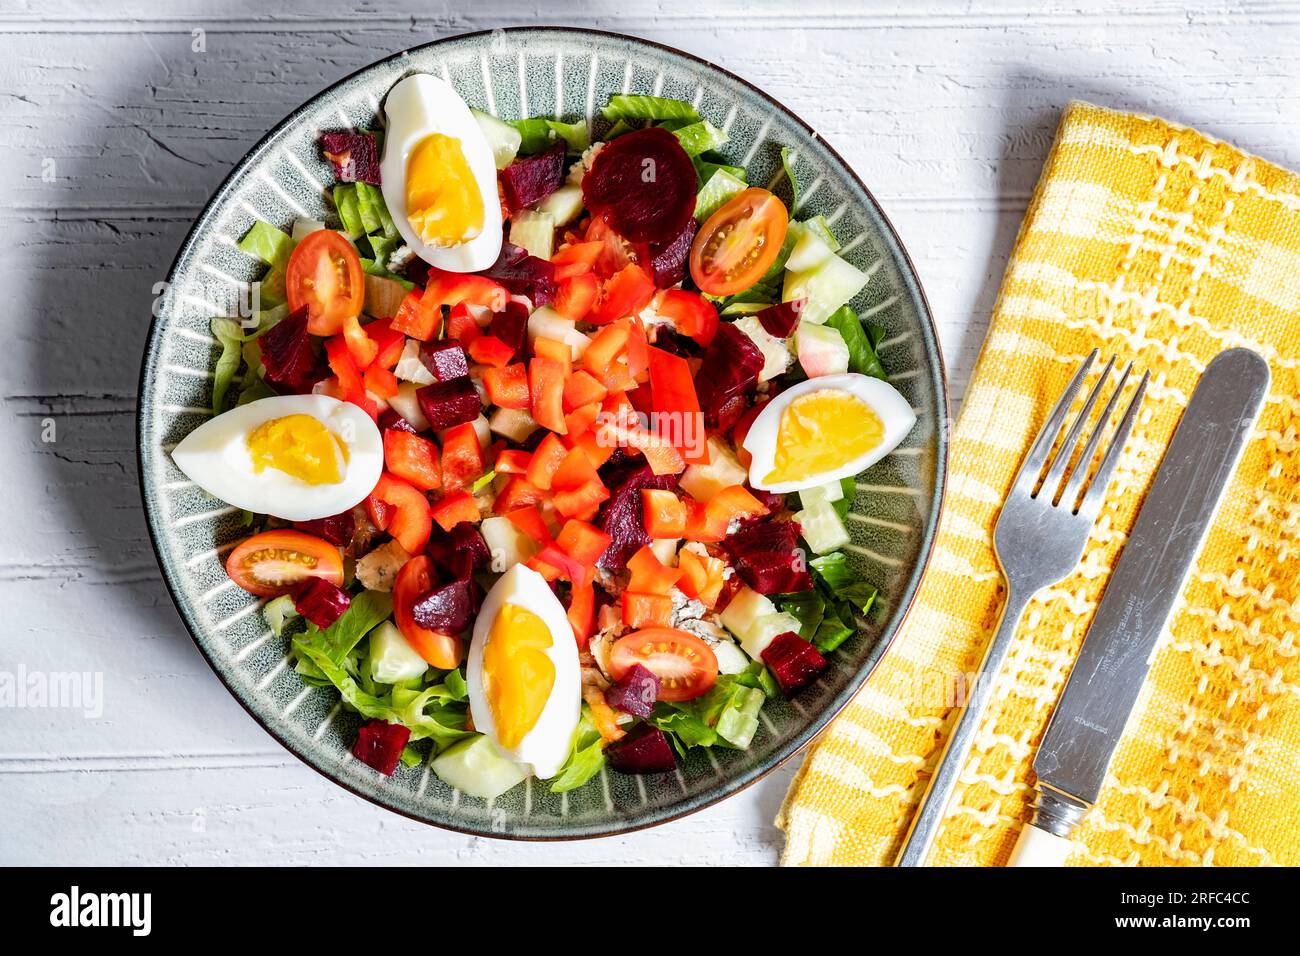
(451, 403)
(286, 351)
(446, 608)
(523, 274)
(510, 325)
(793, 661)
(445, 360)
(336, 529)
(533, 178)
(643, 184)
(389, 420)
(780, 319)
(636, 693)
(353, 155)
(767, 557)
(729, 370)
(621, 517)
(459, 552)
(379, 745)
(644, 750)
(668, 259)
(321, 602)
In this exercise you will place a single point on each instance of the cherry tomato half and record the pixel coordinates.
(276, 562)
(324, 274)
(684, 664)
(739, 242)
(414, 581)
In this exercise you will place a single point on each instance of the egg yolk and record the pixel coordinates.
(297, 445)
(443, 201)
(517, 672)
(821, 431)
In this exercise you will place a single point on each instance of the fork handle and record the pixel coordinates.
(929, 814)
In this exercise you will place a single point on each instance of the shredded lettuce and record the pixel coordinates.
(267, 243)
(715, 193)
(348, 205)
(700, 137)
(535, 135)
(482, 482)
(705, 170)
(862, 352)
(576, 136)
(842, 592)
(231, 336)
(367, 611)
(586, 757)
(626, 106)
(788, 161)
(808, 607)
(279, 613)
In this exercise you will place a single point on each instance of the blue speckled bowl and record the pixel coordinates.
(515, 73)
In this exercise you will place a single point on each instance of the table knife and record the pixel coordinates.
(1149, 577)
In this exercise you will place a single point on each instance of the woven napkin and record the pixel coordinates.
(1162, 246)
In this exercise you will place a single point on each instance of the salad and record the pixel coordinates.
(545, 444)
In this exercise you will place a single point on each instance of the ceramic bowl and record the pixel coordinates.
(515, 73)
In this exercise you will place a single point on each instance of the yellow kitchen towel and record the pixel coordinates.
(1162, 246)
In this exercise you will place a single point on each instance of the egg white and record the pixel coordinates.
(215, 457)
(415, 107)
(881, 397)
(546, 746)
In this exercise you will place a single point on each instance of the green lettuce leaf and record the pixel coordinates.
(267, 243)
(700, 137)
(535, 133)
(625, 106)
(231, 336)
(586, 757)
(576, 136)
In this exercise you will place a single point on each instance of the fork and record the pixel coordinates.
(1038, 540)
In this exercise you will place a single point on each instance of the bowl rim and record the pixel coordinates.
(815, 727)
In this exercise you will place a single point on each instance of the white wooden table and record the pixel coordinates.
(117, 127)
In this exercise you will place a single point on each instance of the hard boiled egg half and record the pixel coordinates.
(296, 457)
(525, 688)
(439, 177)
(826, 428)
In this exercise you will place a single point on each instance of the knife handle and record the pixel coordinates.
(1038, 847)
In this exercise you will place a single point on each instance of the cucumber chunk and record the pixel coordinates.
(477, 768)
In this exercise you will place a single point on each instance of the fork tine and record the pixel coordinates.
(1056, 469)
(1092, 497)
(1033, 463)
(1081, 470)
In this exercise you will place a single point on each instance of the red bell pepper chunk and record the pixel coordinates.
(605, 346)
(553, 349)
(580, 420)
(462, 457)
(343, 365)
(546, 387)
(413, 459)
(672, 389)
(582, 611)
(577, 258)
(362, 347)
(511, 461)
(638, 351)
(701, 577)
(582, 541)
(507, 387)
(517, 492)
(582, 388)
(454, 508)
(647, 610)
(462, 326)
(625, 293)
(591, 446)
(576, 295)
(661, 456)
(409, 519)
(582, 502)
(408, 316)
(649, 574)
(546, 460)
(529, 520)
(569, 569)
(692, 314)
(664, 513)
(574, 471)
(490, 350)
(380, 381)
(390, 342)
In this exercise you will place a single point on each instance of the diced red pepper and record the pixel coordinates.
(582, 388)
(362, 347)
(454, 508)
(569, 568)
(701, 577)
(575, 470)
(517, 492)
(582, 541)
(462, 326)
(343, 365)
(672, 388)
(413, 459)
(625, 293)
(408, 315)
(379, 381)
(576, 296)
(529, 520)
(490, 350)
(649, 574)
(582, 611)
(647, 610)
(553, 349)
(462, 457)
(507, 387)
(664, 513)
(546, 387)
(512, 461)
(546, 460)
(692, 314)
(576, 258)
(409, 519)
(453, 288)
(391, 343)
(638, 352)
(662, 457)
(582, 502)
(605, 346)
(578, 421)
(593, 449)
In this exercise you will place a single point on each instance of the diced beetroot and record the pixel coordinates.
(621, 518)
(636, 693)
(523, 274)
(321, 602)
(729, 369)
(644, 750)
(447, 608)
(780, 319)
(458, 552)
(510, 325)
(668, 259)
(379, 745)
(643, 184)
(449, 403)
(389, 420)
(336, 529)
(731, 411)
(768, 558)
(793, 661)
(770, 500)
(353, 155)
(287, 355)
(445, 360)
(533, 178)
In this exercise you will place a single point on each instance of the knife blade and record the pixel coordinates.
(1149, 577)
